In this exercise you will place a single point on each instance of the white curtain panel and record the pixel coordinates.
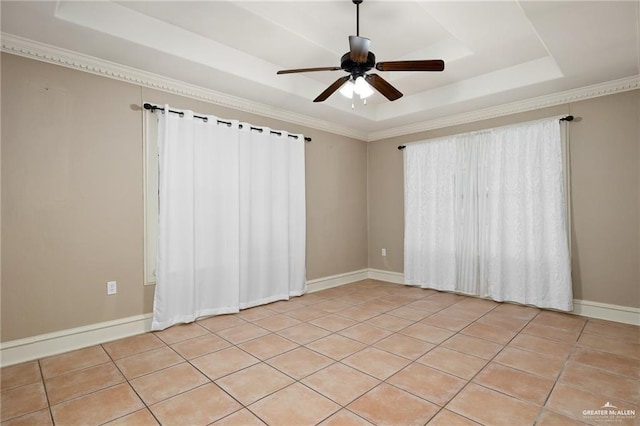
(485, 214)
(272, 217)
(228, 236)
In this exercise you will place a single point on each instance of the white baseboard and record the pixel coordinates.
(388, 276)
(336, 280)
(17, 351)
(43, 345)
(606, 311)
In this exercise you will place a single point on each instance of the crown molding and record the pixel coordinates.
(573, 95)
(46, 53)
(67, 58)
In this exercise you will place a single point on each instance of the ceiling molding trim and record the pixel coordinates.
(573, 95)
(54, 55)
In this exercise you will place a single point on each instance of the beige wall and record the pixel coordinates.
(605, 163)
(72, 197)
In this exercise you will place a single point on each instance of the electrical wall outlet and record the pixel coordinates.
(384, 252)
(112, 288)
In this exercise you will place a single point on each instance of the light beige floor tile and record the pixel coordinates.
(365, 333)
(20, 375)
(489, 407)
(612, 363)
(614, 346)
(531, 362)
(389, 322)
(199, 406)
(388, 405)
(405, 346)
(427, 383)
(377, 363)
(74, 360)
(453, 362)
(240, 418)
(498, 319)
(428, 333)
(598, 381)
(489, 332)
(304, 333)
(223, 362)
(294, 405)
(333, 322)
(164, 384)
(447, 322)
(340, 383)
(180, 332)
(516, 311)
(242, 333)
(409, 313)
(221, 322)
(542, 346)
(276, 322)
(549, 418)
(139, 418)
(473, 346)
(35, 418)
(299, 362)
(148, 362)
(268, 346)
(359, 313)
(553, 333)
(560, 320)
(98, 407)
(22, 400)
(613, 330)
(82, 382)
(449, 418)
(516, 383)
(336, 346)
(132, 345)
(345, 418)
(199, 346)
(572, 402)
(253, 383)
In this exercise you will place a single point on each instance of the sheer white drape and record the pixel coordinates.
(485, 214)
(231, 228)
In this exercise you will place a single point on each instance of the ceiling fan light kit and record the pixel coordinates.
(358, 62)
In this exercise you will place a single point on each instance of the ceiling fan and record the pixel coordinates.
(359, 61)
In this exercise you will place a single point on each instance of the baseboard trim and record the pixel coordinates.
(43, 345)
(336, 280)
(606, 311)
(388, 276)
(22, 350)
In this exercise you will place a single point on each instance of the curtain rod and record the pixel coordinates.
(153, 108)
(567, 118)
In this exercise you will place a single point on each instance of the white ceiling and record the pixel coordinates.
(495, 52)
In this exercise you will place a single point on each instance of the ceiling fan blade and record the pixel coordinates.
(359, 48)
(382, 86)
(426, 65)
(329, 90)
(309, 70)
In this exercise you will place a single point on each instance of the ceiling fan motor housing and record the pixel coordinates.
(357, 69)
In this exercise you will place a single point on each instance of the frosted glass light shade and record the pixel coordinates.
(347, 89)
(362, 88)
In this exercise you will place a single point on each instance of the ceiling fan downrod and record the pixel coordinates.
(357, 3)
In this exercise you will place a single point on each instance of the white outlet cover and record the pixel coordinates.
(112, 287)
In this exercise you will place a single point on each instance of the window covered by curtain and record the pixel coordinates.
(485, 214)
(231, 231)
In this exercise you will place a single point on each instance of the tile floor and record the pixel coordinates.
(365, 353)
